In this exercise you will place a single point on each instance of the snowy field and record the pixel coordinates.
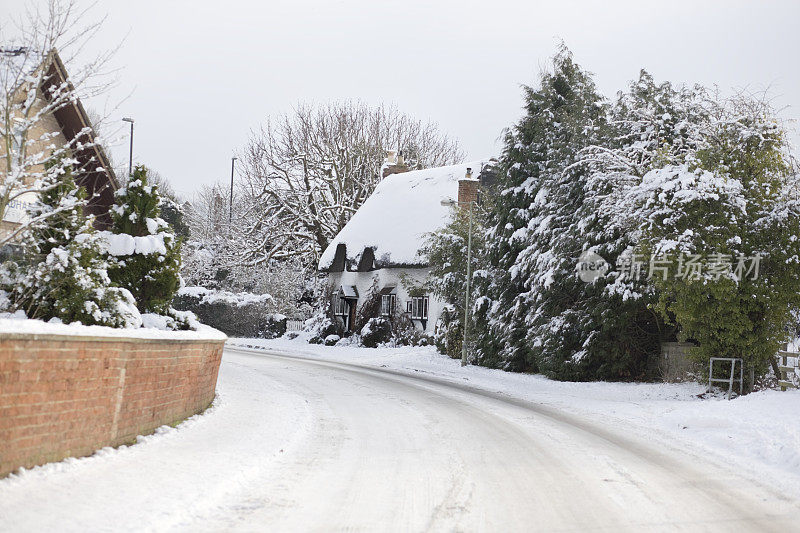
(758, 433)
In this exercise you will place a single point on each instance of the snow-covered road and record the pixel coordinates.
(297, 444)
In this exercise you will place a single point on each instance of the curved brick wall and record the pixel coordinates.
(63, 396)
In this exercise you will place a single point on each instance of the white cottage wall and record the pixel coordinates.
(391, 276)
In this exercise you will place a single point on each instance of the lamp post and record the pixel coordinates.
(230, 204)
(130, 156)
(452, 203)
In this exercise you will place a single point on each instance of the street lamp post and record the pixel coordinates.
(230, 204)
(452, 203)
(130, 155)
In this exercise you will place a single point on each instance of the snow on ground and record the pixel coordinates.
(758, 433)
(260, 427)
(171, 479)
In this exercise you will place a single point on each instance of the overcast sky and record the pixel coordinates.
(203, 73)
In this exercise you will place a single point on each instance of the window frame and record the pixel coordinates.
(419, 307)
(388, 303)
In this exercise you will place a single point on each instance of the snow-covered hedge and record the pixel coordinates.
(236, 314)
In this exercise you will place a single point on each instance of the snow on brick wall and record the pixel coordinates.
(63, 396)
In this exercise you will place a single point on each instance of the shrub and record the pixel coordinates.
(376, 331)
(235, 314)
(331, 340)
(60, 272)
(449, 337)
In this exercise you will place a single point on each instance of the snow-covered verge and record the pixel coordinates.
(155, 327)
(758, 433)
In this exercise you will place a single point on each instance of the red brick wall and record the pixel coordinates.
(63, 396)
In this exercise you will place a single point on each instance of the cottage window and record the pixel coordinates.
(388, 302)
(419, 308)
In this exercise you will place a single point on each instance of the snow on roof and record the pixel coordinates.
(349, 291)
(395, 218)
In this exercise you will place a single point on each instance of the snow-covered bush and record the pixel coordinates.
(731, 210)
(216, 263)
(171, 321)
(449, 336)
(145, 252)
(331, 340)
(61, 273)
(405, 334)
(370, 307)
(376, 331)
(321, 326)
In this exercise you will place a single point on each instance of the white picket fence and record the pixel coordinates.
(294, 325)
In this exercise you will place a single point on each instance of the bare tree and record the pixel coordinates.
(307, 172)
(32, 88)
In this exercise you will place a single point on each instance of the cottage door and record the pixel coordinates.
(351, 315)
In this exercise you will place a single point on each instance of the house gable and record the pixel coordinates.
(70, 122)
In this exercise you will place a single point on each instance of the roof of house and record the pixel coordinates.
(95, 172)
(391, 224)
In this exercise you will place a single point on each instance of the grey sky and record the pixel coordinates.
(203, 73)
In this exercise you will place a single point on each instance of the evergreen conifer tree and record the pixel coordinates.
(650, 126)
(534, 237)
(731, 210)
(145, 250)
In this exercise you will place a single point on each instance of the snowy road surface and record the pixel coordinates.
(297, 445)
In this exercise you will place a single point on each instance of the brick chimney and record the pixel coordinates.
(468, 189)
(393, 164)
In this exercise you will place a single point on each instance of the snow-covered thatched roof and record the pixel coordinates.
(391, 225)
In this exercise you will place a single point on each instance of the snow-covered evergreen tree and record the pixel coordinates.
(535, 238)
(63, 274)
(445, 251)
(651, 125)
(146, 254)
(567, 169)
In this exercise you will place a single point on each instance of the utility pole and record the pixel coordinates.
(230, 204)
(466, 298)
(130, 156)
